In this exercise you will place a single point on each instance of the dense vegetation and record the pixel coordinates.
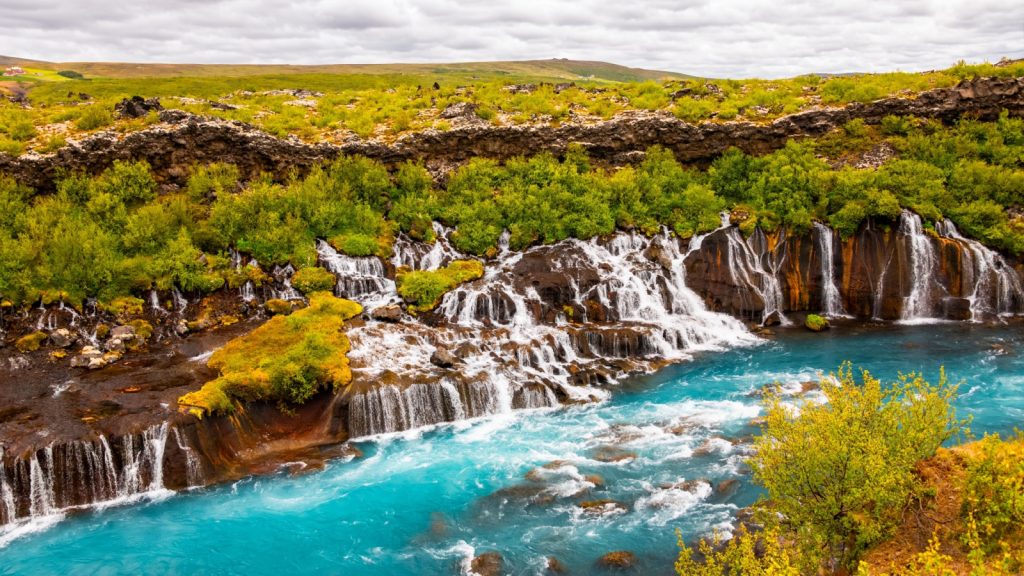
(286, 360)
(843, 476)
(423, 289)
(387, 105)
(115, 235)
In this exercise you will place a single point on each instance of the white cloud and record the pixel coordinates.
(733, 38)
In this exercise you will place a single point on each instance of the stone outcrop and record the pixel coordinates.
(183, 139)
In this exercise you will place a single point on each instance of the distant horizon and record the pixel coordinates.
(723, 39)
(478, 62)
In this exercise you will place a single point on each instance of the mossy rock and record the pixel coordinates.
(309, 280)
(30, 342)
(286, 360)
(278, 307)
(816, 323)
(102, 331)
(125, 306)
(143, 329)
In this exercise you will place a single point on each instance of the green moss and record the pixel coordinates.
(286, 360)
(816, 323)
(276, 306)
(124, 306)
(143, 329)
(313, 279)
(423, 289)
(30, 342)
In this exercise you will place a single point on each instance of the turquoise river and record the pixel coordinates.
(426, 501)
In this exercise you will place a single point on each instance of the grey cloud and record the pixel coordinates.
(731, 38)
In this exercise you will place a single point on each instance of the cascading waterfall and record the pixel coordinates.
(995, 287)
(744, 259)
(831, 300)
(359, 278)
(923, 261)
(518, 349)
(420, 256)
(61, 477)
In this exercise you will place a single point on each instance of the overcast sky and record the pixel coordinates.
(724, 38)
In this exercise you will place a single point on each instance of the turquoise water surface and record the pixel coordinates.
(424, 502)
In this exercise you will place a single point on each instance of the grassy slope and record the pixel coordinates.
(553, 69)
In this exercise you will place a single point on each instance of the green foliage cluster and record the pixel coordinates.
(313, 279)
(387, 105)
(816, 323)
(423, 289)
(113, 235)
(840, 474)
(994, 492)
(286, 360)
(745, 554)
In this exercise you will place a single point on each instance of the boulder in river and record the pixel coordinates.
(618, 560)
(389, 313)
(488, 564)
(443, 358)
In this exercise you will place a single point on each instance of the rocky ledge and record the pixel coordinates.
(182, 139)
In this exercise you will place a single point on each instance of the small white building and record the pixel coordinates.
(14, 71)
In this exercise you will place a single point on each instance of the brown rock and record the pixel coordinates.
(443, 358)
(389, 313)
(555, 566)
(488, 564)
(619, 560)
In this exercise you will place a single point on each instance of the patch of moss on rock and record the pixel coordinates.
(816, 323)
(313, 279)
(30, 342)
(123, 307)
(143, 329)
(286, 360)
(423, 289)
(277, 306)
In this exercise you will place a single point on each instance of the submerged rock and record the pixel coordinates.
(618, 560)
(555, 566)
(443, 358)
(488, 564)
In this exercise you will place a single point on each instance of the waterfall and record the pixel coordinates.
(831, 301)
(420, 256)
(248, 291)
(180, 302)
(750, 263)
(517, 347)
(193, 469)
(994, 286)
(363, 279)
(6, 494)
(65, 476)
(923, 261)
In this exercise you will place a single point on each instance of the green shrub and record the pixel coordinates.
(309, 280)
(423, 289)
(93, 117)
(71, 74)
(994, 491)
(839, 473)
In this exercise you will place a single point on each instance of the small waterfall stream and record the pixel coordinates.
(918, 304)
(831, 299)
(994, 286)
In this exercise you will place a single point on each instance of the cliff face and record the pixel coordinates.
(182, 139)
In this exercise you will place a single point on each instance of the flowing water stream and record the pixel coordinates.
(422, 502)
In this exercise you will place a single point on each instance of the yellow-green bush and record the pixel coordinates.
(423, 289)
(313, 279)
(286, 360)
(30, 342)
